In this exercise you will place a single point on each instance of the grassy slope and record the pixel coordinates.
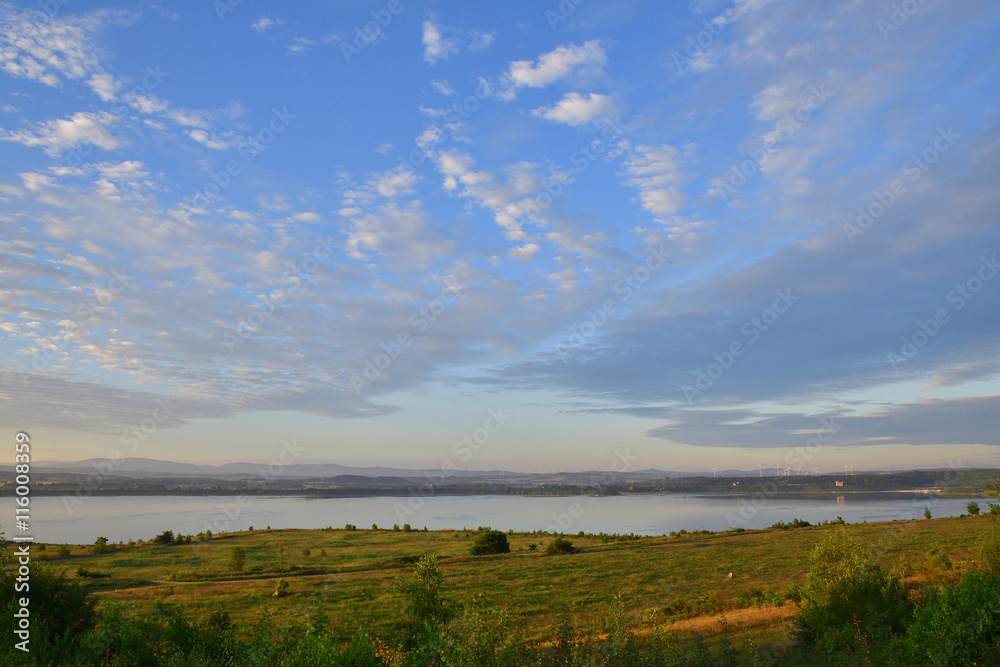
(354, 583)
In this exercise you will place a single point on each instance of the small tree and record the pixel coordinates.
(281, 588)
(972, 508)
(490, 541)
(427, 610)
(927, 512)
(237, 559)
(100, 545)
(164, 538)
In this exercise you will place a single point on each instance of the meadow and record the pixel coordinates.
(353, 576)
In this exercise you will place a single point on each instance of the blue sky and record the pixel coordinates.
(704, 234)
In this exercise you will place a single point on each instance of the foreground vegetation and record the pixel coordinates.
(906, 593)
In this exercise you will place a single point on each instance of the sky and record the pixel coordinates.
(536, 236)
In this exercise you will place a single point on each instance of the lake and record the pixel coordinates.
(120, 518)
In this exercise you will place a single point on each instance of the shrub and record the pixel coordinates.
(972, 508)
(306, 552)
(426, 608)
(927, 512)
(62, 611)
(986, 555)
(164, 538)
(959, 625)
(490, 541)
(846, 595)
(560, 545)
(237, 559)
(62, 551)
(406, 528)
(100, 545)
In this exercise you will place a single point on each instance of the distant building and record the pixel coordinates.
(838, 483)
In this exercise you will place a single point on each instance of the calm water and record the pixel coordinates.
(124, 518)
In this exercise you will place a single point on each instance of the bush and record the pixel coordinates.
(847, 596)
(101, 545)
(164, 538)
(927, 512)
(426, 608)
(972, 508)
(986, 555)
(560, 545)
(61, 612)
(62, 551)
(490, 541)
(959, 625)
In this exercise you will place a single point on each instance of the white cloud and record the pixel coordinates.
(481, 41)
(557, 64)
(384, 148)
(525, 251)
(209, 140)
(576, 109)
(436, 45)
(103, 85)
(308, 216)
(441, 86)
(656, 172)
(264, 24)
(56, 135)
(300, 45)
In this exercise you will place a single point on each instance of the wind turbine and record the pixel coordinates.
(816, 471)
(777, 471)
(760, 470)
(713, 471)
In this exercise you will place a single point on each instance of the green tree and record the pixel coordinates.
(422, 590)
(490, 541)
(560, 545)
(972, 508)
(237, 559)
(164, 538)
(847, 595)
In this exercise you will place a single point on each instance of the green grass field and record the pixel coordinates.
(352, 575)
